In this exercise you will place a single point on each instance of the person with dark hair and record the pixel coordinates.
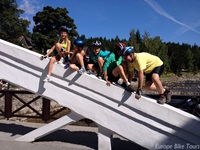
(77, 58)
(96, 58)
(62, 45)
(113, 70)
(152, 67)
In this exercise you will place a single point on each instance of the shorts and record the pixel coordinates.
(158, 70)
(95, 65)
(78, 65)
(65, 59)
(112, 78)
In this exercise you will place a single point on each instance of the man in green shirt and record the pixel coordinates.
(113, 70)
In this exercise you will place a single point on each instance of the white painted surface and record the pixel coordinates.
(142, 121)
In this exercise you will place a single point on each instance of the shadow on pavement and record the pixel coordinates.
(85, 138)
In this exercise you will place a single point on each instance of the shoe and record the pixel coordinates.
(100, 75)
(168, 95)
(90, 72)
(47, 79)
(123, 85)
(66, 66)
(130, 88)
(162, 99)
(81, 71)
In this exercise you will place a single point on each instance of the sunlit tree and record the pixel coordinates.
(47, 24)
(11, 25)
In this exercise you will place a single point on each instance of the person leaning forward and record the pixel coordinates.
(113, 70)
(152, 67)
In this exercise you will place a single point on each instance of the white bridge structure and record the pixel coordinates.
(114, 110)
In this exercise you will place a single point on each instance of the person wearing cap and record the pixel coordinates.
(113, 70)
(62, 45)
(152, 67)
(96, 58)
(77, 58)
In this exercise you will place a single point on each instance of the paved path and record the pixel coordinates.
(67, 138)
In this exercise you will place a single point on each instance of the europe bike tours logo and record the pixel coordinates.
(177, 146)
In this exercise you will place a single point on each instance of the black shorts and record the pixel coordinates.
(95, 64)
(112, 78)
(158, 70)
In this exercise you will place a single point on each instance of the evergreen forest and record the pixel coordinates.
(176, 57)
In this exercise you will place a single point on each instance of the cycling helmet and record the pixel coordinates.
(120, 46)
(127, 50)
(63, 28)
(79, 43)
(96, 43)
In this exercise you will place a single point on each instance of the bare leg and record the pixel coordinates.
(156, 85)
(124, 65)
(73, 67)
(120, 71)
(100, 62)
(90, 66)
(52, 61)
(79, 57)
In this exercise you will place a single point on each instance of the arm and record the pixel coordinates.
(105, 68)
(68, 48)
(72, 57)
(140, 83)
(106, 78)
(130, 76)
(104, 53)
(141, 79)
(50, 51)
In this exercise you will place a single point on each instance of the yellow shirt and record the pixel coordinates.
(64, 45)
(144, 61)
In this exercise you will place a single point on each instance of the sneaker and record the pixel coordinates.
(66, 66)
(81, 71)
(90, 72)
(130, 88)
(168, 95)
(47, 79)
(100, 75)
(162, 99)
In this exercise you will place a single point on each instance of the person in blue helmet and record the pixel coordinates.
(152, 67)
(113, 69)
(77, 58)
(96, 58)
(62, 45)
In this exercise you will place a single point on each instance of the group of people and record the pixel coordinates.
(110, 66)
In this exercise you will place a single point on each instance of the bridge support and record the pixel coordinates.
(104, 138)
(51, 127)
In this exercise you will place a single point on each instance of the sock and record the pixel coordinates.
(83, 67)
(127, 83)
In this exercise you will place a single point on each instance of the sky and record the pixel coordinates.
(175, 21)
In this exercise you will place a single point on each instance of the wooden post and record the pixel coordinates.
(8, 105)
(45, 109)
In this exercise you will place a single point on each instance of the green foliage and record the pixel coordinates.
(11, 26)
(176, 57)
(47, 24)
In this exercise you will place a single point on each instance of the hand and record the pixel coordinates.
(108, 83)
(42, 57)
(138, 93)
(61, 53)
(137, 96)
